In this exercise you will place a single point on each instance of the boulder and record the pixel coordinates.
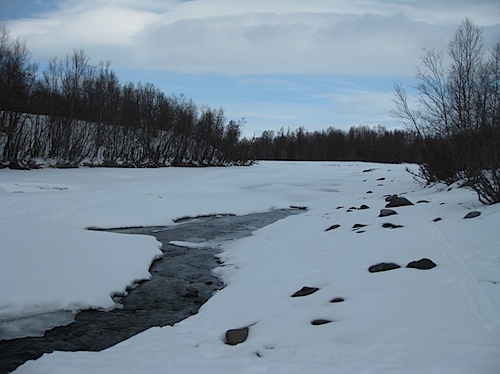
(398, 201)
(305, 291)
(383, 266)
(236, 336)
(333, 227)
(320, 321)
(422, 264)
(472, 214)
(391, 226)
(387, 212)
(337, 300)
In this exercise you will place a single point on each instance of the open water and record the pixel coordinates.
(181, 281)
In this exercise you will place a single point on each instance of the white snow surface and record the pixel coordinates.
(442, 320)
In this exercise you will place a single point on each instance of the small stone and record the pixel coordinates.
(387, 212)
(437, 219)
(422, 264)
(337, 300)
(369, 191)
(384, 266)
(191, 292)
(423, 202)
(398, 201)
(358, 225)
(381, 179)
(236, 336)
(472, 214)
(391, 226)
(333, 227)
(318, 322)
(305, 291)
(362, 207)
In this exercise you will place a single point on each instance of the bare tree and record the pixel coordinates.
(457, 113)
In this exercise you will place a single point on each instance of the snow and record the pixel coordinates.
(442, 320)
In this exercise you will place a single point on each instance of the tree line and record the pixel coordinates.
(362, 143)
(75, 112)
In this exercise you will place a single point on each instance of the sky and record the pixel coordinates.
(275, 63)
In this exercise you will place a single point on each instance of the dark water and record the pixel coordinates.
(181, 282)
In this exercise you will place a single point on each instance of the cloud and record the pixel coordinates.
(354, 38)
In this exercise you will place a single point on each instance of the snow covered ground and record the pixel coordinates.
(441, 320)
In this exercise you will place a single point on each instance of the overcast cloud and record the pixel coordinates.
(341, 38)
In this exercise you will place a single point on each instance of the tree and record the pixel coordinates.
(458, 113)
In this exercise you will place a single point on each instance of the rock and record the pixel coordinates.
(367, 170)
(333, 227)
(337, 300)
(362, 207)
(423, 202)
(369, 191)
(472, 214)
(381, 179)
(437, 219)
(318, 322)
(305, 291)
(191, 292)
(236, 336)
(387, 212)
(358, 225)
(391, 226)
(422, 264)
(384, 266)
(390, 197)
(398, 201)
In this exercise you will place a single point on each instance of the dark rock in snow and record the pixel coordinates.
(358, 225)
(333, 227)
(367, 170)
(422, 264)
(305, 291)
(437, 219)
(391, 226)
(362, 207)
(472, 214)
(387, 212)
(236, 336)
(423, 202)
(398, 201)
(337, 300)
(384, 266)
(318, 322)
(390, 197)
(381, 179)
(369, 191)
